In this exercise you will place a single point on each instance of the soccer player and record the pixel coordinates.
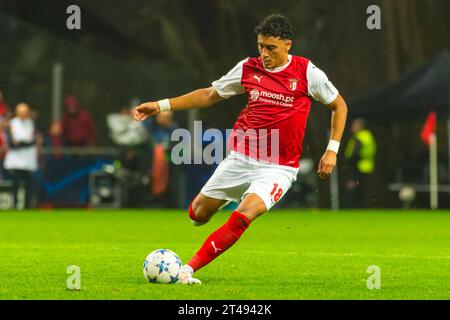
(280, 88)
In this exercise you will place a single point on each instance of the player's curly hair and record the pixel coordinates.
(275, 25)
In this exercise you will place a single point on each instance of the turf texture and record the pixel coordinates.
(285, 254)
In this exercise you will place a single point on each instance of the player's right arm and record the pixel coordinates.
(200, 98)
(227, 86)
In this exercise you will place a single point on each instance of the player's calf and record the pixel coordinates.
(220, 241)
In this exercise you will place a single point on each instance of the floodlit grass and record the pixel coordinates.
(286, 254)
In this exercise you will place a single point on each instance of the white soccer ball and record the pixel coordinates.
(162, 266)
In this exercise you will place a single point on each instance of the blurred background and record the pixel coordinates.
(74, 89)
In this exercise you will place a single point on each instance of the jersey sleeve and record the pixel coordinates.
(319, 87)
(230, 84)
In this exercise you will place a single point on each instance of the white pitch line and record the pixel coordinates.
(351, 254)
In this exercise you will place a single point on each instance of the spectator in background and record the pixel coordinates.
(133, 140)
(4, 118)
(21, 158)
(124, 130)
(160, 131)
(4, 108)
(3, 144)
(360, 156)
(78, 129)
(131, 136)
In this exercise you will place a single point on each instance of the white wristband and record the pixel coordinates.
(333, 145)
(164, 105)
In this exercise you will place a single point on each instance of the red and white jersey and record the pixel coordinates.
(279, 101)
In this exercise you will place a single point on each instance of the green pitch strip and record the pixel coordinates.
(283, 255)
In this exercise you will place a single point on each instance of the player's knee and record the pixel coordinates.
(197, 212)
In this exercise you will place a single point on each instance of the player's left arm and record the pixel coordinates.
(338, 118)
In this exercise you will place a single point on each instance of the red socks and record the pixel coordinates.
(220, 240)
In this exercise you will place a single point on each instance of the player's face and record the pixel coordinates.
(273, 51)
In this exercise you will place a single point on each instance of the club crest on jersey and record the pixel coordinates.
(292, 84)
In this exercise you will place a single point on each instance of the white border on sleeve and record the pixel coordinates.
(230, 84)
(319, 87)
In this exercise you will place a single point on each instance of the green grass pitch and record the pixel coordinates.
(285, 254)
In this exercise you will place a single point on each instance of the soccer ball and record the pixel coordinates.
(162, 266)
